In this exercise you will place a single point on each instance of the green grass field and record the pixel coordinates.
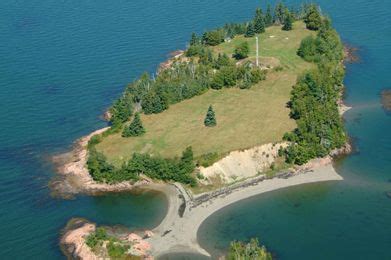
(245, 118)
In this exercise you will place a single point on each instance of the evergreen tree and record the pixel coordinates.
(194, 39)
(259, 21)
(135, 128)
(269, 16)
(210, 119)
(279, 13)
(122, 109)
(222, 61)
(250, 32)
(312, 19)
(288, 21)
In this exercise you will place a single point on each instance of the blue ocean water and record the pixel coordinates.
(62, 63)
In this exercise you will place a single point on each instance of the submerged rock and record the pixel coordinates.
(351, 54)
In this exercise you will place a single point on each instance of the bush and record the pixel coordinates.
(208, 159)
(241, 51)
(308, 49)
(116, 250)
(97, 237)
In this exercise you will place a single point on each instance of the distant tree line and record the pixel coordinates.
(314, 97)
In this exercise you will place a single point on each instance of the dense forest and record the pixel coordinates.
(313, 102)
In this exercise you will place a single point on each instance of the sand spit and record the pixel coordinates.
(178, 233)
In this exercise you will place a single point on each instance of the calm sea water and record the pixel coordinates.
(63, 62)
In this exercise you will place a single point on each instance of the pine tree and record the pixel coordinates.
(279, 13)
(135, 128)
(194, 39)
(259, 21)
(222, 61)
(288, 21)
(269, 16)
(210, 119)
(312, 19)
(250, 32)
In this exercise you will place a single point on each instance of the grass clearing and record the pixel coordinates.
(245, 118)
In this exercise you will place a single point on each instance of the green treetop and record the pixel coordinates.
(279, 13)
(241, 251)
(135, 128)
(259, 21)
(269, 16)
(288, 21)
(312, 19)
(194, 39)
(250, 31)
(222, 61)
(210, 119)
(241, 51)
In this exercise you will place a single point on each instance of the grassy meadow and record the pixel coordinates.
(245, 117)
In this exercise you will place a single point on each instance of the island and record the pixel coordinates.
(246, 109)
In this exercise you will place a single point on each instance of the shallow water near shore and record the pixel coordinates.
(63, 63)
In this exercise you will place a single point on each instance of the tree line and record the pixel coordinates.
(314, 98)
(155, 167)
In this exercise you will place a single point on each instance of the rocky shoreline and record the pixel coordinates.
(74, 245)
(74, 177)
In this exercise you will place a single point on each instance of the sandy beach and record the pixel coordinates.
(179, 234)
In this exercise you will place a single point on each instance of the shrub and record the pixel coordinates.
(97, 237)
(116, 250)
(208, 159)
(241, 51)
